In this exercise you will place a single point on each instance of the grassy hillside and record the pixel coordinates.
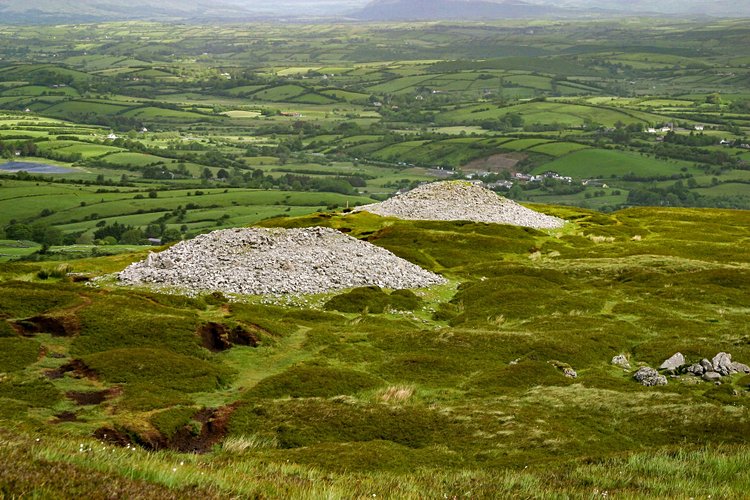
(460, 387)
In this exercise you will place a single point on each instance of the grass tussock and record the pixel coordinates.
(396, 394)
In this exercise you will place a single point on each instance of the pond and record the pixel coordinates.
(34, 168)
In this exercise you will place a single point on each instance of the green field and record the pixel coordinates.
(598, 163)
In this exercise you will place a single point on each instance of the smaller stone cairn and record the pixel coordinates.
(460, 200)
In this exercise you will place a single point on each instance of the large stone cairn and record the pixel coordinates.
(258, 261)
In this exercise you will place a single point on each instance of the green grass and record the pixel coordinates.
(143, 324)
(142, 368)
(303, 381)
(17, 354)
(603, 164)
(557, 149)
(24, 299)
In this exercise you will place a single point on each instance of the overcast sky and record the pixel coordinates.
(725, 7)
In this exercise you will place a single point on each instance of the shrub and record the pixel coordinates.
(21, 299)
(17, 353)
(519, 376)
(140, 323)
(38, 392)
(373, 299)
(160, 369)
(296, 424)
(168, 422)
(306, 381)
(405, 300)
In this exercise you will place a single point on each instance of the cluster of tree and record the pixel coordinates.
(676, 195)
(689, 140)
(622, 134)
(128, 235)
(558, 187)
(343, 185)
(544, 127)
(690, 153)
(40, 232)
(508, 122)
(161, 172)
(9, 149)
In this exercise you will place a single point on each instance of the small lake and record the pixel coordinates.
(34, 168)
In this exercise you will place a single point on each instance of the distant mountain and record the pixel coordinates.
(61, 11)
(35, 11)
(407, 10)
(724, 8)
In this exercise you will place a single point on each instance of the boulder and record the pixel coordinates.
(621, 361)
(673, 363)
(707, 366)
(740, 367)
(711, 376)
(722, 363)
(695, 369)
(649, 377)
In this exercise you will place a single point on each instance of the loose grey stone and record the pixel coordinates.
(740, 367)
(460, 200)
(257, 261)
(722, 363)
(621, 361)
(696, 369)
(676, 361)
(649, 377)
(707, 366)
(711, 376)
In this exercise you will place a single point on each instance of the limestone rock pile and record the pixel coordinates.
(649, 377)
(711, 371)
(257, 261)
(460, 200)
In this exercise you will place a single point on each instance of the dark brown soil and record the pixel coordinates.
(76, 368)
(66, 416)
(79, 278)
(217, 337)
(213, 431)
(59, 326)
(495, 163)
(90, 398)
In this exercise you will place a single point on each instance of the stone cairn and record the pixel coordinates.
(460, 200)
(256, 261)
